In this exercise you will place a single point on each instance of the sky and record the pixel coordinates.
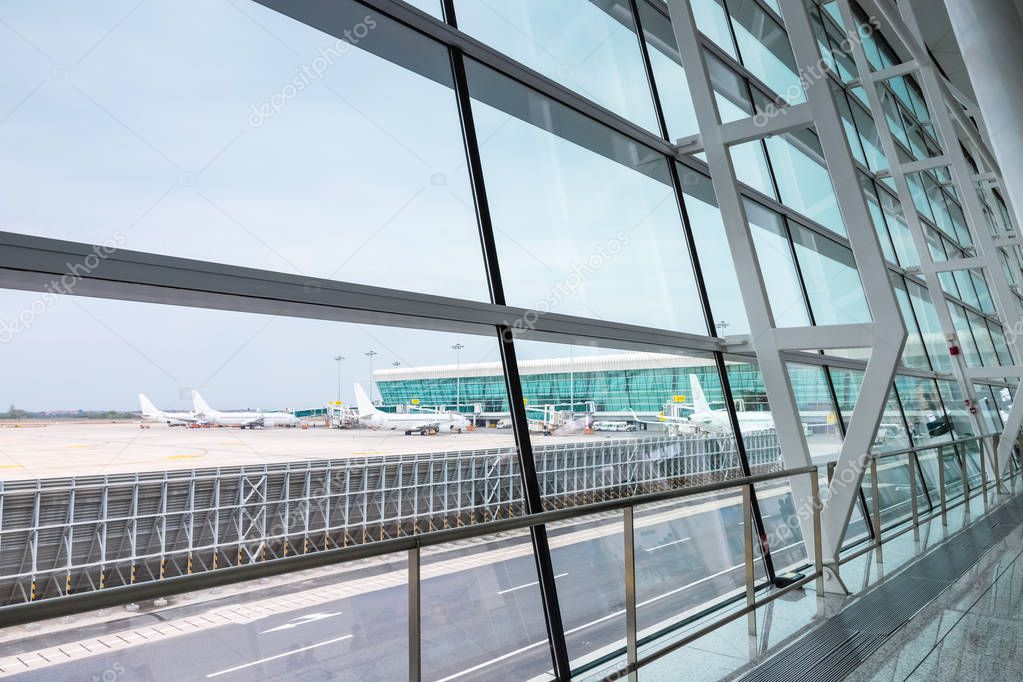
(135, 122)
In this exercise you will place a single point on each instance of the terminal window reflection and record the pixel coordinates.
(577, 210)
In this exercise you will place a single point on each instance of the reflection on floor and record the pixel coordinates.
(963, 635)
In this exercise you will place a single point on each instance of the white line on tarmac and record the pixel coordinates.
(666, 544)
(274, 658)
(614, 614)
(535, 582)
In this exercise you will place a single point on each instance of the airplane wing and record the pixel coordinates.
(663, 419)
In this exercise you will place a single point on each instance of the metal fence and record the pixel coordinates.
(70, 535)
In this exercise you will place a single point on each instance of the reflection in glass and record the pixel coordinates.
(485, 597)
(777, 266)
(589, 47)
(719, 276)
(578, 210)
(803, 181)
(832, 281)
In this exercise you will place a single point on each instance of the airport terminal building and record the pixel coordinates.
(471, 230)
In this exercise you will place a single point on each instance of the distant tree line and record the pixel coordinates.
(15, 413)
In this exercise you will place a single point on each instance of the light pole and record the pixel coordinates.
(338, 359)
(369, 354)
(458, 375)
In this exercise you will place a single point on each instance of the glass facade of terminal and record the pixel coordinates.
(428, 209)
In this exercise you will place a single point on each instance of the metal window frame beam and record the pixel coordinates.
(757, 127)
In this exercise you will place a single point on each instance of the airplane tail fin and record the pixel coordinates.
(700, 403)
(201, 406)
(364, 403)
(148, 408)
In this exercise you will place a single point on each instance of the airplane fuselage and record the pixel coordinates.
(410, 423)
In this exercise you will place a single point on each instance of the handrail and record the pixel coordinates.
(55, 607)
(928, 446)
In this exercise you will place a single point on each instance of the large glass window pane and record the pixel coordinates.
(719, 276)
(777, 266)
(930, 328)
(589, 47)
(764, 48)
(485, 596)
(712, 20)
(913, 354)
(987, 408)
(803, 181)
(985, 345)
(877, 218)
(965, 334)
(577, 210)
(334, 158)
(816, 409)
(669, 76)
(626, 423)
(751, 168)
(832, 282)
(923, 409)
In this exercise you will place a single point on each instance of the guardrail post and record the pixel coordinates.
(876, 504)
(747, 541)
(818, 551)
(995, 441)
(961, 449)
(631, 646)
(414, 619)
(983, 470)
(941, 485)
(912, 496)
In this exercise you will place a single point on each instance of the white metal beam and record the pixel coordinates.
(890, 331)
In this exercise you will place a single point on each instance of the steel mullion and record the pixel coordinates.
(527, 466)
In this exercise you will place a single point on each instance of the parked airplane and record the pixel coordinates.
(422, 422)
(151, 414)
(240, 419)
(703, 418)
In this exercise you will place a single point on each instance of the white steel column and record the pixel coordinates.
(885, 336)
(889, 331)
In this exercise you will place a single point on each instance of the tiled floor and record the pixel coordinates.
(973, 631)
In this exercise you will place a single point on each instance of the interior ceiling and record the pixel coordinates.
(938, 34)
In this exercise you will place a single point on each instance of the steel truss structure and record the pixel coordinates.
(60, 537)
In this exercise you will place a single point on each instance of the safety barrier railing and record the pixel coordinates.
(412, 546)
(913, 455)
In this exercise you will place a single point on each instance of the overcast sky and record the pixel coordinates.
(134, 121)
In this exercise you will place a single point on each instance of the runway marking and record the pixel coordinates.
(666, 544)
(182, 456)
(535, 582)
(274, 658)
(302, 620)
(614, 614)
